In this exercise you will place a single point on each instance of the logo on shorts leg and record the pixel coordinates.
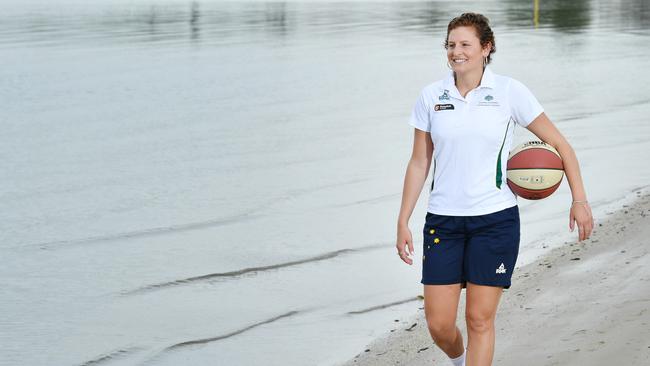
(501, 269)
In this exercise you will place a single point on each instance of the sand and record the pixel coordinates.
(581, 304)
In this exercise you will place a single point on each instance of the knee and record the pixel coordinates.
(442, 331)
(479, 323)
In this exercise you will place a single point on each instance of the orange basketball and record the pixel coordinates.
(534, 170)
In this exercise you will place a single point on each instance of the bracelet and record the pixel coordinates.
(583, 202)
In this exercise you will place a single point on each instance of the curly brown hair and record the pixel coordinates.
(482, 26)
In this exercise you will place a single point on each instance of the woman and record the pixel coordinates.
(471, 235)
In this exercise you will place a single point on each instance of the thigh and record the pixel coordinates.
(482, 302)
(492, 248)
(441, 304)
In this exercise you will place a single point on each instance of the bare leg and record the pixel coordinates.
(480, 312)
(440, 308)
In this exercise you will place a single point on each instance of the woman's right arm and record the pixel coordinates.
(416, 174)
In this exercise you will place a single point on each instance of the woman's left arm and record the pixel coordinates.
(580, 212)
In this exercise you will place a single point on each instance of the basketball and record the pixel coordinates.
(534, 170)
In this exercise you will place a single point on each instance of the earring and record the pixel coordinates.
(448, 65)
(485, 62)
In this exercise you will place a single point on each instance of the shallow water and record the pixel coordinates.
(229, 173)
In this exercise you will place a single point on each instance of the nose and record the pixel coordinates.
(454, 53)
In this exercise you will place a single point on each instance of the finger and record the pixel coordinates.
(586, 231)
(581, 231)
(405, 258)
(403, 255)
(571, 218)
(410, 245)
(408, 255)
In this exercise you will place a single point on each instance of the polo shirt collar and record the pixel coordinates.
(487, 81)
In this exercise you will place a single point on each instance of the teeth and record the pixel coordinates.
(459, 61)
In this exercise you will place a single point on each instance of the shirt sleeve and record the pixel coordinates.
(524, 107)
(420, 114)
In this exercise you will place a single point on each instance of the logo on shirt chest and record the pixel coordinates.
(444, 96)
(443, 107)
(488, 101)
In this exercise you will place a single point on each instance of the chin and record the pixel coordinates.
(458, 68)
(463, 68)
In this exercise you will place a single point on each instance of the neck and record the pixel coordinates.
(468, 80)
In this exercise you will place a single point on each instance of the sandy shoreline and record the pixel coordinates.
(581, 304)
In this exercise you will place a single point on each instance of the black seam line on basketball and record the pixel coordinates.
(535, 169)
(240, 272)
(538, 190)
(541, 189)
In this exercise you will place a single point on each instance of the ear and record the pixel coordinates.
(486, 50)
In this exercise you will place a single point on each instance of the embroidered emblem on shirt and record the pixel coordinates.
(488, 101)
(444, 96)
(443, 107)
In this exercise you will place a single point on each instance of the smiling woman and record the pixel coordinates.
(465, 123)
(468, 40)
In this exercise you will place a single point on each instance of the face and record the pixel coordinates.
(464, 51)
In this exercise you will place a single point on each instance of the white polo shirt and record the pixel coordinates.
(472, 138)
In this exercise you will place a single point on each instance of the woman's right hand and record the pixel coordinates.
(404, 241)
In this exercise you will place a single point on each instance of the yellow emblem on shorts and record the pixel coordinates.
(436, 241)
(432, 231)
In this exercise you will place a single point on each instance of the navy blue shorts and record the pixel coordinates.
(480, 249)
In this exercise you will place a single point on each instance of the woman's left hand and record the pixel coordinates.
(580, 214)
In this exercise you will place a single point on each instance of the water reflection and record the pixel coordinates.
(276, 18)
(216, 23)
(194, 21)
(632, 14)
(556, 14)
(428, 17)
(565, 15)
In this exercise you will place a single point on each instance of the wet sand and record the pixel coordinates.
(582, 304)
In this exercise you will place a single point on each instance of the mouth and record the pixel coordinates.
(459, 61)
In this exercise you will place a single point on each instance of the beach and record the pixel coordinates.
(195, 180)
(581, 304)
